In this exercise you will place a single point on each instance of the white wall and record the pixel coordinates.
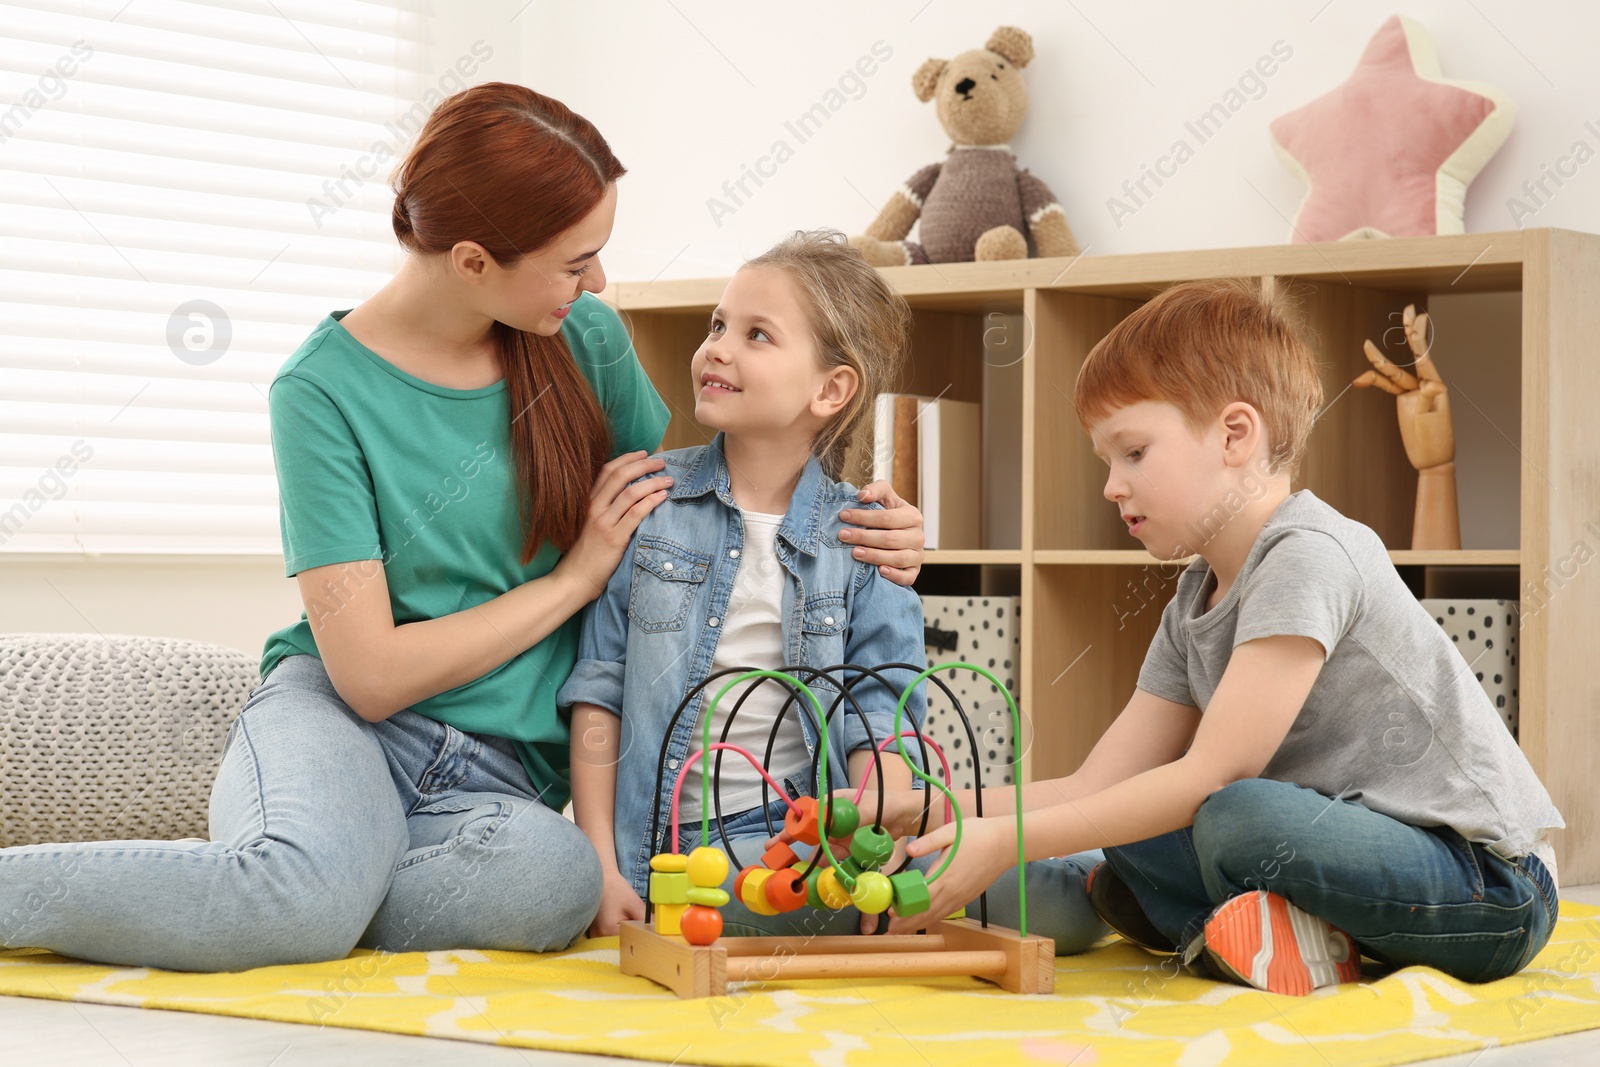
(689, 93)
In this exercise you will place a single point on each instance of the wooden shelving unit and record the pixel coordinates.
(1090, 601)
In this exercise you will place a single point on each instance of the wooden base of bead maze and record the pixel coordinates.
(951, 948)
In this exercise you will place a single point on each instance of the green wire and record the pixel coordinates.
(839, 873)
(1016, 778)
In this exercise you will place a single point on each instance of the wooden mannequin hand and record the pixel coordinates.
(1424, 405)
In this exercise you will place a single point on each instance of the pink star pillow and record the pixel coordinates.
(1389, 153)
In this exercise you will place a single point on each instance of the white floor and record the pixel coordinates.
(95, 1035)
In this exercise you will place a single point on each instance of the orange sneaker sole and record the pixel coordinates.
(1272, 945)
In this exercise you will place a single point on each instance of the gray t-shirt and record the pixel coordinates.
(1396, 720)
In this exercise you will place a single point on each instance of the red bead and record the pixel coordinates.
(803, 823)
(786, 890)
(701, 925)
(778, 857)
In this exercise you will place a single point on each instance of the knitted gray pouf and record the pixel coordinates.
(113, 737)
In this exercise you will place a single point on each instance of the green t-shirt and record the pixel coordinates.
(376, 464)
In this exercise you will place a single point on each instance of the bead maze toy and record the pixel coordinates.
(679, 944)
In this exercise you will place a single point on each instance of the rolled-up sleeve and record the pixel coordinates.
(602, 646)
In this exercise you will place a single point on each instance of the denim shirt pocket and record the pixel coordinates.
(665, 578)
(823, 623)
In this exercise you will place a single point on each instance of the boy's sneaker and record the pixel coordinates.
(1117, 907)
(1262, 940)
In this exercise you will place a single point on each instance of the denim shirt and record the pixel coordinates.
(650, 637)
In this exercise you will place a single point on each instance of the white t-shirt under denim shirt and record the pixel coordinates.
(1396, 720)
(751, 635)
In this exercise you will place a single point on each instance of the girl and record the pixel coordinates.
(740, 569)
(461, 460)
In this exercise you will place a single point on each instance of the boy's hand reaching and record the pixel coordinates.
(618, 902)
(988, 848)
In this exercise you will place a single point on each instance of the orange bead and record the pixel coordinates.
(786, 890)
(802, 824)
(701, 925)
(778, 857)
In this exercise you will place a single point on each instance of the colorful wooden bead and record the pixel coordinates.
(843, 818)
(786, 890)
(668, 888)
(910, 892)
(701, 925)
(707, 866)
(870, 847)
(801, 820)
(738, 883)
(707, 896)
(753, 891)
(873, 893)
(669, 862)
(813, 898)
(667, 917)
(778, 857)
(832, 893)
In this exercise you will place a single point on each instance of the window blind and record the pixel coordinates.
(186, 189)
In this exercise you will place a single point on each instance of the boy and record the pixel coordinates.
(1307, 770)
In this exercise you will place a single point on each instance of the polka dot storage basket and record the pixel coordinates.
(984, 631)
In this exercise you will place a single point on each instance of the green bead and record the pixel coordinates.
(712, 898)
(813, 898)
(910, 892)
(669, 888)
(870, 847)
(846, 817)
(850, 866)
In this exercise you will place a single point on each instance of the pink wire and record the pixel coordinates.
(944, 765)
(677, 786)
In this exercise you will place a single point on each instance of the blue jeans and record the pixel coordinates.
(1058, 907)
(328, 832)
(1406, 894)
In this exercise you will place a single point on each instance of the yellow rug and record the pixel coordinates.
(1113, 1006)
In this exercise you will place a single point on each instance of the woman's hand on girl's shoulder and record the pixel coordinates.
(617, 505)
(891, 539)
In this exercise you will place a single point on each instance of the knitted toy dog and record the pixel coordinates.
(977, 204)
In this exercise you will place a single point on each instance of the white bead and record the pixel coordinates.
(733, 553)
(712, 621)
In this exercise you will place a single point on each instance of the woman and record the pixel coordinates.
(462, 460)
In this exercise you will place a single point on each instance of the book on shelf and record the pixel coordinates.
(930, 449)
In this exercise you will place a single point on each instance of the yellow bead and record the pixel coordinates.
(669, 862)
(753, 893)
(707, 866)
(667, 917)
(669, 888)
(873, 893)
(831, 892)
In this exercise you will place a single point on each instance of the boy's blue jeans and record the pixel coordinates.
(1058, 907)
(1407, 895)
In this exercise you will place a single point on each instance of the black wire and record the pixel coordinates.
(825, 815)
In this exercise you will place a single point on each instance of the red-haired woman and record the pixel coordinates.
(461, 460)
